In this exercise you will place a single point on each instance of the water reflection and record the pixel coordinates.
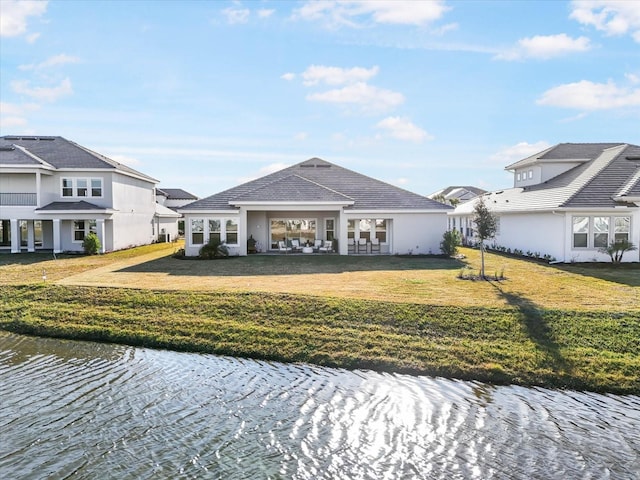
(86, 410)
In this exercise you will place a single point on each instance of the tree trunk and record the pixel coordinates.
(482, 256)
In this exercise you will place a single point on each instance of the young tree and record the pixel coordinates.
(486, 226)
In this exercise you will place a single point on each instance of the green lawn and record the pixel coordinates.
(569, 326)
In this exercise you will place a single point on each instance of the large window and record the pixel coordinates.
(600, 232)
(81, 228)
(381, 230)
(197, 231)
(351, 229)
(329, 228)
(621, 229)
(302, 229)
(215, 231)
(82, 187)
(365, 228)
(232, 231)
(597, 231)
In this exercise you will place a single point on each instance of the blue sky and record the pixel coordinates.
(204, 95)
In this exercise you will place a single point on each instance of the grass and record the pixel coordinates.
(567, 327)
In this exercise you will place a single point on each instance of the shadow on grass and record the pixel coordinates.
(625, 273)
(297, 264)
(537, 330)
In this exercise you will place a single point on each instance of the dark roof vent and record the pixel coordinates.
(7, 149)
(633, 157)
(29, 138)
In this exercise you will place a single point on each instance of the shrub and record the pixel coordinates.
(214, 250)
(616, 250)
(450, 242)
(91, 244)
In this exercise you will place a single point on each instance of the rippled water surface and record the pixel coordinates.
(93, 411)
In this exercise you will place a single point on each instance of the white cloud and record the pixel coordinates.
(236, 15)
(545, 47)
(404, 129)
(271, 168)
(401, 181)
(14, 115)
(125, 160)
(265, 12)
(586, 95)
(301, 136)
(632, 77)
(56, 60)
(13, 21)
(369, 97)
(613, 17)
(519, 151)
(337, 76)
(49, 94)
(288, 76)
(354, 13)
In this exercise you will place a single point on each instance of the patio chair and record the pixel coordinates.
(282, 247)
(375, 245)
(362, 245)
(317, 245)
(295, 244)
(327, 247)
(351, 245)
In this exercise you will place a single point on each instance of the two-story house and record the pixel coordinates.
(53, 192)
(568, 202)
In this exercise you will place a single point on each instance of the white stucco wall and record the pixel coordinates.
(134, 202)
(535, 232)
(417, 233)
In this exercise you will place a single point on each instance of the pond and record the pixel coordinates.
(86, 410)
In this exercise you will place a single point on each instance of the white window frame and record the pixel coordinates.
(90, 226)
(206, 233)
(591, 231)
(88, 187)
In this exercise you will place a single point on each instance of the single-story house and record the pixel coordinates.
(53, 192)
(567, 202)
(457, 194)
(316, 200)
(174, 198)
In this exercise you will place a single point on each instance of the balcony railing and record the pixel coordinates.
(18, 199)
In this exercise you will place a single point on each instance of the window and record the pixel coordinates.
(365, 228)
(67, 187)
(329, 228)
(79, 187)
(197, 231)
(96, 187)
(81, 228)
(215, 232)
(530, 174)
(381, 230)
(580, 232)
(600, 232)
(518, 176)
(621, 229)
(232, 231)
(351, 229)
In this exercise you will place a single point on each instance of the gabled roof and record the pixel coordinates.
(316, 180)
(597, 183)
(60, 153)
(564, 152)
(176, 194)
(70, 206)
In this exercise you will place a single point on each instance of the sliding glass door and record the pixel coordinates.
(287, 229)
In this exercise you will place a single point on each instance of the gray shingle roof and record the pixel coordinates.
(70, 206)
(14, 155)
(176, 194)
(594, 183)
(564, 151)
(323, 181)
(62, 153)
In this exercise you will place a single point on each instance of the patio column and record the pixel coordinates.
(242, 232)
(343, 248)
(31, 237)
(56, 236)
(100, 233)
(15, 235)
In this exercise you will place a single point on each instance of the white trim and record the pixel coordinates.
(290, 202)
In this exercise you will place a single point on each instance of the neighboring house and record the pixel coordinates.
(567, 202)
(53, 192)
(317, 200)
(456, 195)
(174, 198)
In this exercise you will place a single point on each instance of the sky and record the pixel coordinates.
(205, 95)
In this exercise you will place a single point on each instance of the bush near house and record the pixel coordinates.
(214, 250)
(616, 250)
(91, 244)
(451, 240)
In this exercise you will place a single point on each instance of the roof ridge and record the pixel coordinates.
(324, 186)
(593, 169)
(32, 155)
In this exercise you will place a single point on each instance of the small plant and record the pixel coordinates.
(450, 242)
(214, 250)
(91, 244)
(616, 250)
